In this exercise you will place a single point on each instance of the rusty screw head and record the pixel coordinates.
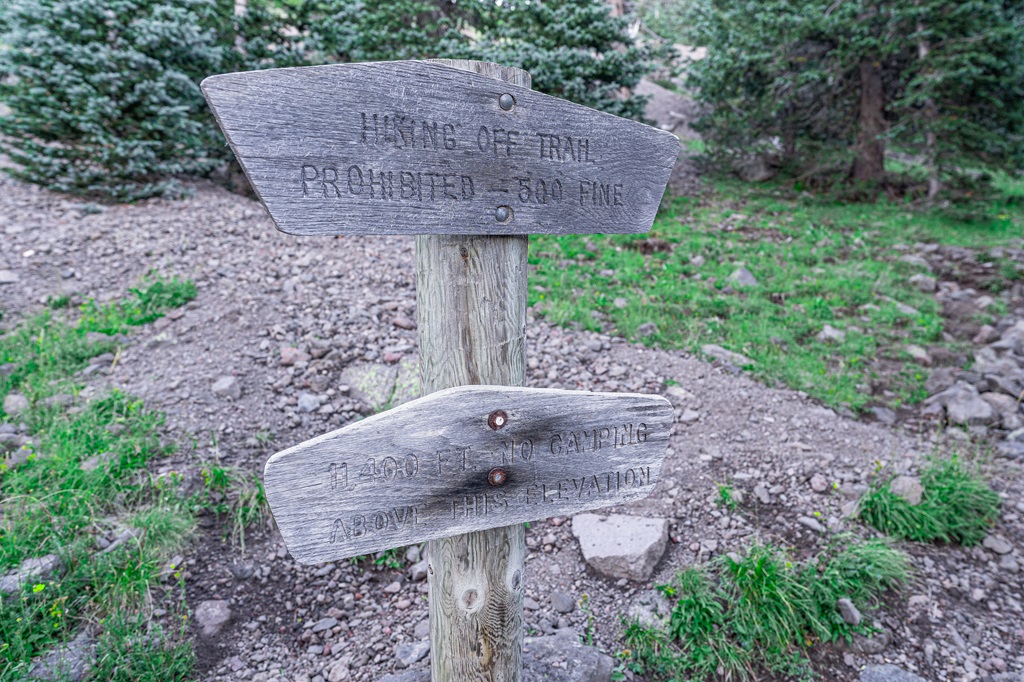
(506, 102)
(497, 419)
(497, 476)
(503, 214)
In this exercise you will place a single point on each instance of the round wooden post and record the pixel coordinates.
(471, 305)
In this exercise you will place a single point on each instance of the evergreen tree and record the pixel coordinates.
(573, 49)
(826, 84)
(104, 95)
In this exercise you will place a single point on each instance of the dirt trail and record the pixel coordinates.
(347, 302)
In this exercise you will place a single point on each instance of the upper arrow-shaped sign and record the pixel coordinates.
(418, 148)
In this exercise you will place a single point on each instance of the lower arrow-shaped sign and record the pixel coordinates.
(465, 459)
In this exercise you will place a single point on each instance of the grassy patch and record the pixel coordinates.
(742, 616)
(236, 496)
(957, 506)
(816, 263)
(80, 490)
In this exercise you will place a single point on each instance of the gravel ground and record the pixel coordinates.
(350, 301)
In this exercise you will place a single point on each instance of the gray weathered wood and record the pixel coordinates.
(422, 148)
(420, 471)
(471, 305)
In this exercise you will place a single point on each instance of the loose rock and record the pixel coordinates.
(849, 612)
(998, 544)
(907, 487)
(620, 546)
(227, 387)
(562, 658)
(408, 653)
(15, 404)
(212, 615)
(888, 673)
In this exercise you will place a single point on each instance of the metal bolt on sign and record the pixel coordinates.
(470, 160)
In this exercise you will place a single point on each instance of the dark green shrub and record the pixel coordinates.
(104, 94)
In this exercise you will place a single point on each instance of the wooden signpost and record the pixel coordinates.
(465, 156)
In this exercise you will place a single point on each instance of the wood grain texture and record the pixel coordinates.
(420, 471)
(471, 304)
(416, 147)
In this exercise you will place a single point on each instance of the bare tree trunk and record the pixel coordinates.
(869, 162)
(931, 113)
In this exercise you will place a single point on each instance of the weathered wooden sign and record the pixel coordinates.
(418, 148)
(465, 459)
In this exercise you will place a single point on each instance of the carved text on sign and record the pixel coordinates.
(415, 147)
(425, 469)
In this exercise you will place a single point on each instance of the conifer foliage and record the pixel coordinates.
(833, 85)
(104, 96)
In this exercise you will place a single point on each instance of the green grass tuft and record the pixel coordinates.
(957, 506)
(742, 616)
(84, 493)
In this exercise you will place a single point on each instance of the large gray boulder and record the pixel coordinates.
(620, 546)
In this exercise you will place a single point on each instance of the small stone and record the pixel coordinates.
(679, 396)
(70, 662)
(576, 661)
(924, 283)
(324, 624)
(849, 612)
(408, 653)
(965, 406)
(724, 355)
(30, 570)
(743, 278)
(403, 323)
(762, 494)
(530, 604)
(907, 487)
(888, 673)
(689, 416)
(939, 380)
(830, 334)
(813, 524)
(418, 571)
(884, 415)
(412, 554)
(393, 588)
(8, 277)
(875, 644)
(339, 670)
(918, 354)
(621, 546)
(212, 615)
(819, 483)
(15, 404)
(620, 302)
(646, 329)
(242, 570)
(372, 384)
(308, 402)
(422, 630)
(292, 356)
(919, 261)
(1009, 564)
(997, 544)
(562, 603)
(227, 387)
(96, 461)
